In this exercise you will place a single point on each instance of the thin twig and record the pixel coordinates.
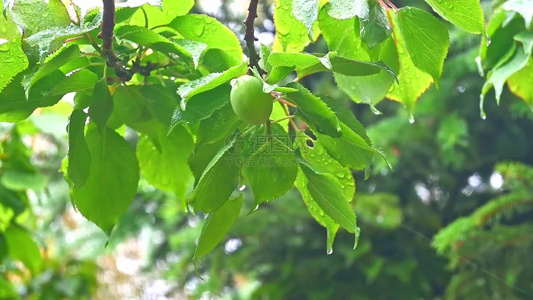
(250, 39)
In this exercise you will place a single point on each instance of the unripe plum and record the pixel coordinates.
(248, 100)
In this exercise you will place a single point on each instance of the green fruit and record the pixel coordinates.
(249, 102)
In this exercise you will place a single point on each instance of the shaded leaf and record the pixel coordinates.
(375, 28)
(217, 225)
(79, 157)
(102, 104)
(21, 246)
(113, 178)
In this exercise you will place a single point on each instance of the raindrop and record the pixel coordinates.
(329, 251)
(461, 88)
(411, 119)
(340, 175)
(375, 110)
(242, 188)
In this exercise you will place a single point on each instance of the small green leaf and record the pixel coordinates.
(271, 168)
(79, 157)
(218, 181)
(102, 104)
(426, 39)
(466, 14)
(113, 178)
(314, 111)
(160, 101)
(347, 9)
(21, 246)
(12, 60)
(217, 225)
(210, 31)
(209, 82)
(375, 28)
(167, 168)
(306, 11)
(326, 190)
(201, 106)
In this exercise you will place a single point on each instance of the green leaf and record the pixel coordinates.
(320, 160)
(426, 39)
(375, 28)
(113, 178)
(51, 14)
(160, 102)
(202, 156)
(523, 7)
(81, 81)
(201, 106)
(196, 49)
(209, 82)
(499, 75)
(79, 157)
(162, 15)
(14, 106)
(351, 150)
(51, 65)
(347, 9)
(466, 14)
(167, 168)
(210, 31)
(130, 108)
(146, 37)
(314, 111)
(218, 126)
(52, 38)
(306, 11)
(342, 37)
(413, 82)
(102, 104)
(520, 83)
(291, 34)
(217, 225)
(343, 112)
(22, 247)
(218, 180)
(318, 214)
(12, 60)
(326, 190)
(271, 168)
(305, 64)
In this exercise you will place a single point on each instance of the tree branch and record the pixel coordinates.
(106, 34)
(250, 39)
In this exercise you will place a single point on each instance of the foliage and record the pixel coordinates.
(152, 103)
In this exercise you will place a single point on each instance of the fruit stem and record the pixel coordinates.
(250, 38)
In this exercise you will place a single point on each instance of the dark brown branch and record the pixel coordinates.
(249, 37)
(106, 34)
